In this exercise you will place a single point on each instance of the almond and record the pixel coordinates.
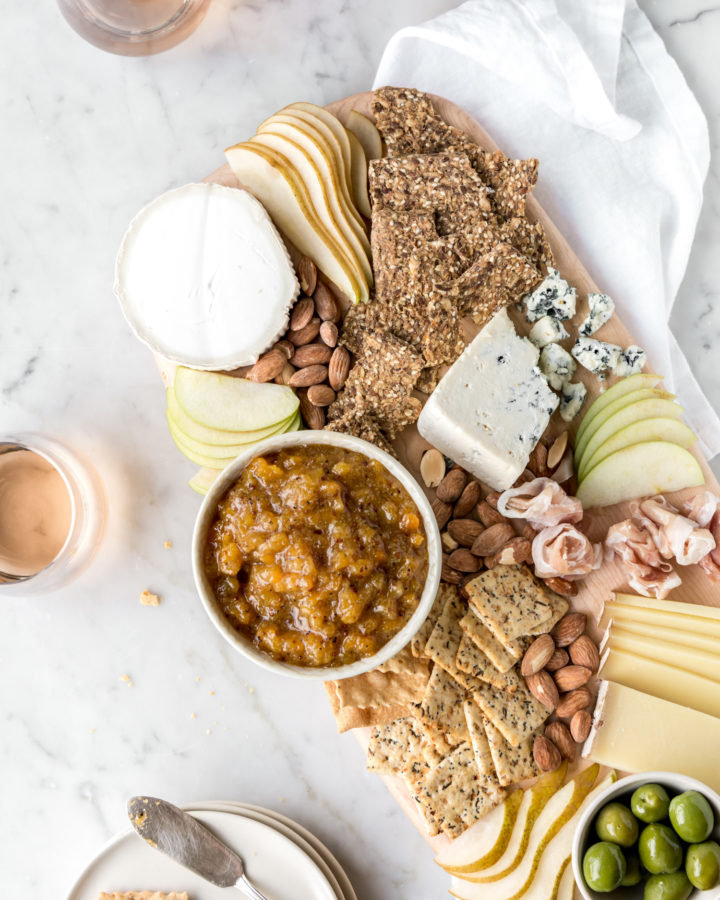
(465, 531)
(302, 313)
(338, 368)
(463, 560)
(559, 659)
(568, 629)
(308, 376)
(518, 550)
(307, 274)
(584, 652)
(546, 755)
(311, 355)
(571, 677)
(493, 539)
(306, 334)
(448, 574)
(313, 416)
(487, 515)
(562, 586)
(325, 303)
(320, 394)
(537, 655)
(543, 688)
(286, 374)
(529, 532)
(560, 735)
(557, 450)
(452, 485)
(492, 498)
(538, 460)
(432, 467)
(467, 501)
(572, 702)
(442, 512)
(580, 725)
(329, 333)
(267, 367)
(449, 543)
(285, 347)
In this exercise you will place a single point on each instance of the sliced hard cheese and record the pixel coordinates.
(203, 277)
(636, 732)
(671, 652)
(489, 411)
(674, 607)
(632, 629)
(682, 624)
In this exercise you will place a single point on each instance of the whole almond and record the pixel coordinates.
(568, 629)
(546, 755)
(325, 303)
(543, 688)
(584, 652)
(537, 655)
(465, 531)
(557, 450)
(572, 702)
(491, 561)
(313, 416)
(562, 586)
(571, 677)
(306, 334)
(285, 347)
(560, 735)
(442, 512)
(493, 539)
(338, 367)
(463, 560)
(307, 274)
(559, 659)
(308, 376)
(311, 355)
(529, 532)
(321, 394)
(487, 515)
(538, 460)
(302, 313)
(267, 367)
(492, 498)
(467, 500)
(518, 550)
(286, 374)
(449, 543)
(448, 574)
(580, 725)
(452, 485)
(432, 467)
(329, 333)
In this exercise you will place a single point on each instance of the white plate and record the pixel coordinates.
(274, 862)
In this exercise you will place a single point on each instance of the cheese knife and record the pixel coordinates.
(181, 837)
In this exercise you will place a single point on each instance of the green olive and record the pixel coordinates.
(702, 865)
(615, 823)
(674, 886)
(692, 817)
(650, 803)
(660, 849)
(633, 873)
(604, 867)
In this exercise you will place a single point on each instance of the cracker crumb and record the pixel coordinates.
(193, 716)
(212, 693)
(198, 678)
(147, 598)
(207, 731)
(167, 545)
(127, 679)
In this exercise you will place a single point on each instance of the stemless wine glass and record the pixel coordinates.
(134, 27)
(52, 513)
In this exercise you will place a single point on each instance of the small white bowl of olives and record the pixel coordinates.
(653, 836)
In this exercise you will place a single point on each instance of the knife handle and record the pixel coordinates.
(248, 889)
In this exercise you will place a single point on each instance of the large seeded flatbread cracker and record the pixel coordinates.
(398, 746)
(441, 709)
(559, 607)
(406, 663)
(420, 639)
(509, 600)
(478, 738)
(512, 764)
(142, 895)
(502, 656)
(350, 717)
(381, 688)
(516, 716)
(444, 641)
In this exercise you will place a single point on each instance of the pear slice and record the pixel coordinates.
(215, 436)
(626, 386)
(288, 203)
(534, 803)
(643, 470)
(366, 132)
(479, 848)
(634, 424)
(222, 451)
(566, 884)
(203, 480)
(359, 175)
(612, 409)
(325, 201)
(551, 837)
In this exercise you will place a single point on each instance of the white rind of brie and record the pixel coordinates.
(204, 278)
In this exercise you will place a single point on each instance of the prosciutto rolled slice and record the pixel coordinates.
(541, 502)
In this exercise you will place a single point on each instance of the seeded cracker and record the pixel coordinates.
(441, 709)
(512, 764)
(381, 688)
(406, 662)
(478, 738)
(420, 639)
(444, 642)
(559, 607)
(471, 660)
(509, 600)
(502, 656)
(517, 716)
(394, 747)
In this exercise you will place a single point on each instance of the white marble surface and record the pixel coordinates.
(85, 139)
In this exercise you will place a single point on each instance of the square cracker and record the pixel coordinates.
(516, 716)
(142, 895)
(509, 600)
(512, 764)
(406, 663)
(444, 641)
(420, 639)
(471, 660)
(502, 656)
(478, 738)
(349, 717)
(398, 746)
(441, 709)
(559, 607)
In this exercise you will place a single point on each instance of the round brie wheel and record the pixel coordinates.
(204, 278)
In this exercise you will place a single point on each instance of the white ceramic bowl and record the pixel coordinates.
(622, 791)
(299, 439)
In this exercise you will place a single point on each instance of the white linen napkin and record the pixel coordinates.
(587, 87)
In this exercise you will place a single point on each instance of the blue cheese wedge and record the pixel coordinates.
(557, 365)
(490, 410)
(572, 398)
(631, 361)
(553, 297)
(596, 356)
(601, 310)
(547, 330)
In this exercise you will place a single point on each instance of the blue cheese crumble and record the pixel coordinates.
(572, 398)
(596, 356)
(548, 331)
(631, 361)
(553, 297)
(601, 309)
(557, 365)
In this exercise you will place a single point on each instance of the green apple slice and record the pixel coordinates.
(359, 175)
(612, 409)
(366, 132)
(533, 802)
(643, 470)
(222, 451)
(192, 429)
(647, 420)
(626, 386)
(207, 462)
(232, 404)
(203, 480)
